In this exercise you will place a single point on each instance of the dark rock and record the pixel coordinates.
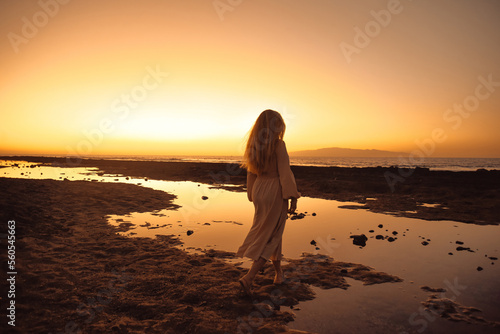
(371, 231)
(359, 240)
(459, 242)
(429, 289)
(189, 232)
(395, 232)
(425, 243)
(379, 236)
(493, 258)
(297, 216)
(313, 242)
(390, 239)
(460, 248)
(343, 271)
(450, 253)
(314, 213)
(479, 268)
(380, 225)
(204, 198)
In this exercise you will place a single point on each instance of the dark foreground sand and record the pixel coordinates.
(76, 274)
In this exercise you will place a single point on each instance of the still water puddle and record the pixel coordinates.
(420, 252)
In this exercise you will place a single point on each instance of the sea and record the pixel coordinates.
(448, 164)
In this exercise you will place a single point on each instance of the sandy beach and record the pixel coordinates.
(76, 274)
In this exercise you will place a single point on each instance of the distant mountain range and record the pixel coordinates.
(346, 153)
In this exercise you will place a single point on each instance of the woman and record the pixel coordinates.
(270, 185)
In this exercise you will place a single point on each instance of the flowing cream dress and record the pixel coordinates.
(269, 192)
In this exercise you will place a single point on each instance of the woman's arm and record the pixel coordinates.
(251, 177)
(293, 205)
(287, 179)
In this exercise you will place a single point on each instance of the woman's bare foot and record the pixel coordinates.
(246, 286)
(278, 278)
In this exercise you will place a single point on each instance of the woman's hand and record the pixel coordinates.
(293, 205)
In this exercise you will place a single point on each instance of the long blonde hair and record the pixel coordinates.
(262, 140)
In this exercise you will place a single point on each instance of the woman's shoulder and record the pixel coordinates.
(281, 148)
(280, 144)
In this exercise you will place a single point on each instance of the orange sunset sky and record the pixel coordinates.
(190, 77)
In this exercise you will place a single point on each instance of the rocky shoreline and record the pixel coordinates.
(469, 197)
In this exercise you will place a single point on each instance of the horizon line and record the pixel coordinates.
(42, 155)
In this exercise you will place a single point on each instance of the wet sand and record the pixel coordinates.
(76, 273)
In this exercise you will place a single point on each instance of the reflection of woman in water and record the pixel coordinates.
(270, 185)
